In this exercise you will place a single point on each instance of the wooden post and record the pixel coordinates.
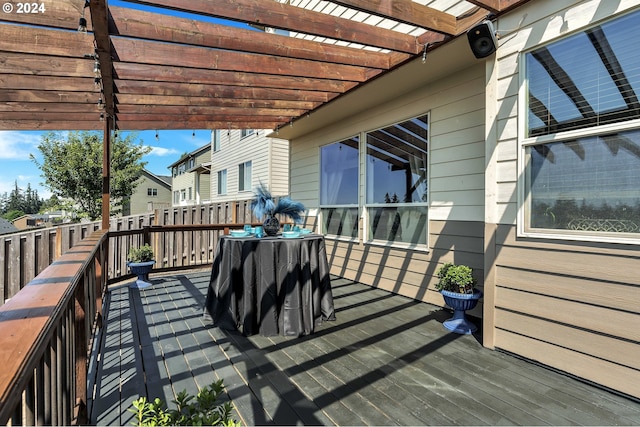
(106, 173)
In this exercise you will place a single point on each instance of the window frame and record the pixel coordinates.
(242, 176)
(220, 190)
(216, 140)
(356, 205)
(523, 217)
(369, 207)
(362, 206)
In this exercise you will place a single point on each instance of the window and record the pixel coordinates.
(174, 171)
(395, 189)
(244, 176)
(396, 182)
(339, 188)
(582, 141)
(246, 132)
(181, 168)
(222, 182)
(190, 194)
(215, 137)
(153, 192)
(183, 194)
(176, 197)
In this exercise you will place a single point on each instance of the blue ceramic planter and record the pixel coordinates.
(141, 269)
(460, 303)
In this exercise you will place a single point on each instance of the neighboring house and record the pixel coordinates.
(152, 192)
(524, 165)
(191, 177)
(242, 159)
(28, 221)
(6, 227)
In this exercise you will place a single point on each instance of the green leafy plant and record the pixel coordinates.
(142, 254)
(199, 410)
(455, 278)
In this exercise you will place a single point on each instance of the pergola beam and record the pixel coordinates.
(202, 69)
(151, 26)
(292, 18)
(408, 12)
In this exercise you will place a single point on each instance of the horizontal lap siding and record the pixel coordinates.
(408, 272)
(269, 164)
(455, 105)
(571, 306)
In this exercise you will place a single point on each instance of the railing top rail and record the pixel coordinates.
(173, 227)
(27, 319)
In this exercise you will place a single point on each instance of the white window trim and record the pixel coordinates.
(524, 142)
(248, 187)
(362, 205)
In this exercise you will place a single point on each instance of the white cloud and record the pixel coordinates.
(18, 145)
(162, 151)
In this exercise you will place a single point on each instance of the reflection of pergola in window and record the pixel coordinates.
(394, 144)
(564, 81)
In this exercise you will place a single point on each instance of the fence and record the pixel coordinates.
(25, 255)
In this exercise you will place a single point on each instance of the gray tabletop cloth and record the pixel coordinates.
(270, 286)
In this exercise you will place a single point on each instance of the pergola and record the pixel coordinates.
(171, 66)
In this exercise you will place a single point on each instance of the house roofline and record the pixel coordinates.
(191, 154)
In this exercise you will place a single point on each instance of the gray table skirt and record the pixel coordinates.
(270, 286)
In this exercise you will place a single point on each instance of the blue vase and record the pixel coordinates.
(460, 303)
(142, 270)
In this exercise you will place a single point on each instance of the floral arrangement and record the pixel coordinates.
(264, 205)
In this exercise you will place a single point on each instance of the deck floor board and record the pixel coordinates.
(385, 360)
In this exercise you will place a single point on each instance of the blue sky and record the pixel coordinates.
(16, 146)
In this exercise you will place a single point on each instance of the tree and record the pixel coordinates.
(51, 205)
(15, 201)
(13, 214)
(26, 201)
(72, 169)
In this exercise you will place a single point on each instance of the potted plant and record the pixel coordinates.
(265, 206)
(457, 286)
(140, 262)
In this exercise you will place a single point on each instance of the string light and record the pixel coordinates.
(424, 53)
(82, 22)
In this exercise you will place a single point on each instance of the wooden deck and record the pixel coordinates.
(386, 360)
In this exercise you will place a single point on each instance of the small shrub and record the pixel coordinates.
(455, 278)
(142, 254)
(203, 411)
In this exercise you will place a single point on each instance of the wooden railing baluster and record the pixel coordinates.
(48, 328)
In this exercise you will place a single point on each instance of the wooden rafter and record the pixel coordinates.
(198, 69)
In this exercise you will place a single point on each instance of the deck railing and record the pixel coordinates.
(49, 326)
(25, 255)
(46, 333)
